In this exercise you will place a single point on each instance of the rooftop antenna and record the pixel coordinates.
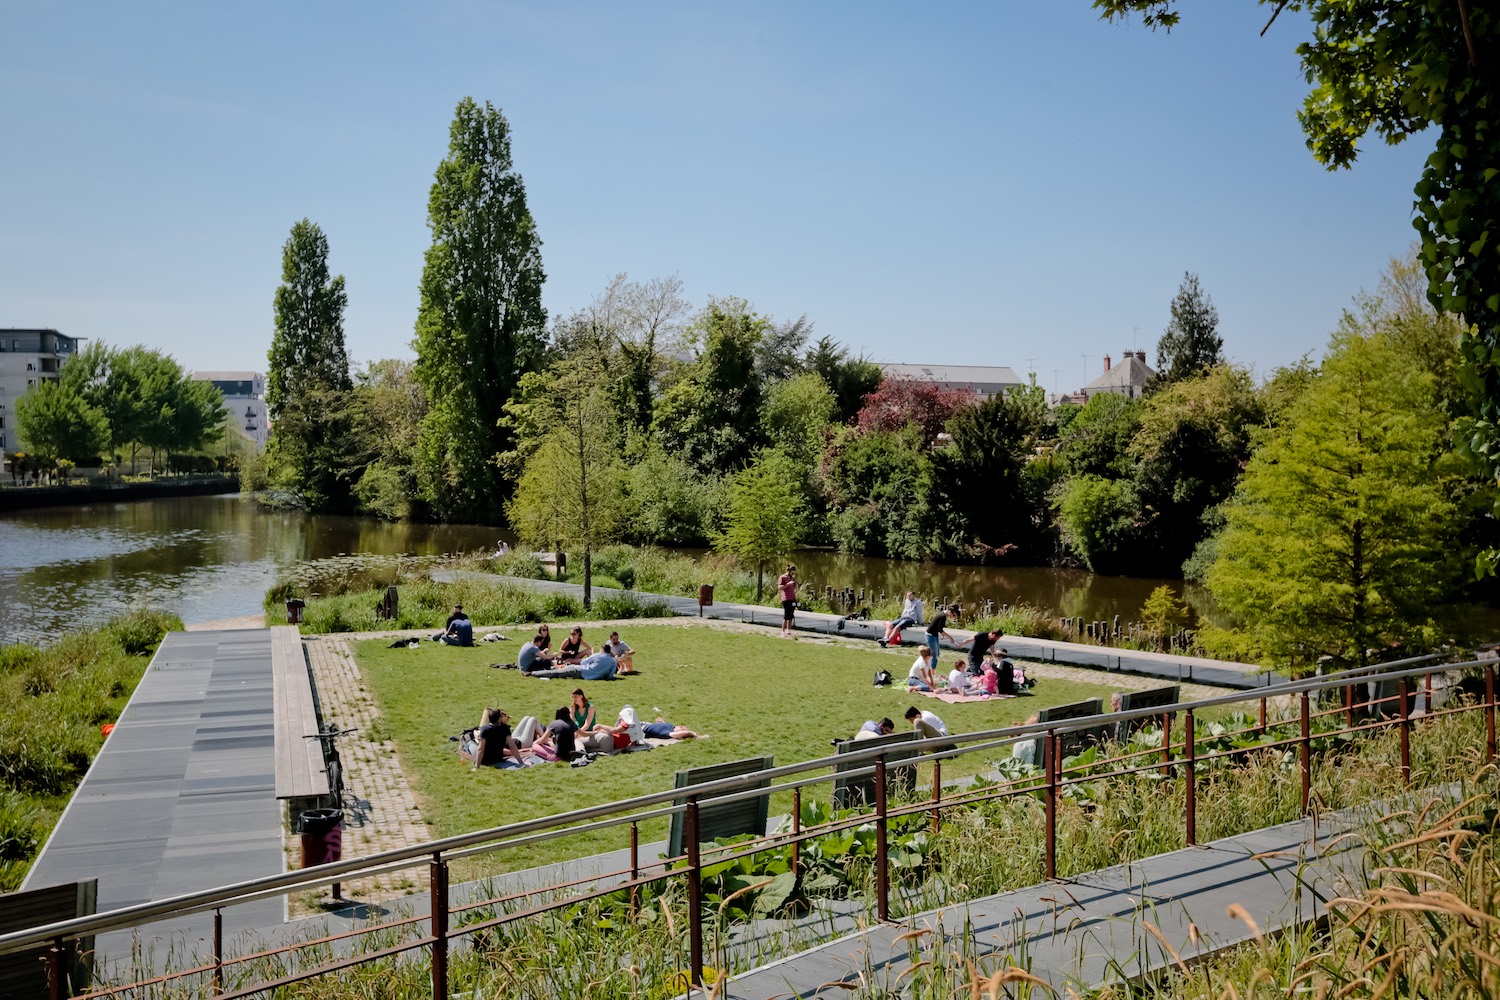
(1055, 373)
(1031, 366)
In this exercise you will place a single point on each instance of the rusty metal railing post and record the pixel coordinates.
(1190, 788)
(635, 866)
(1166, 744)
(1052, 748)
(437, 878)
(1489, 712)
(937, 797)
(1427, 696)
(695, 892)
(1263, 715)
(218, 950)
(57, 976)
(1405, 726)
(1349, 705)
(797, 833)
(882, 860)
(1306, 754)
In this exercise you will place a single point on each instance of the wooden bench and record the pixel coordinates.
(300, 772)
(722, 819)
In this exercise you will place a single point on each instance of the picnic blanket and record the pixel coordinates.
(955, 699)
(508, 763)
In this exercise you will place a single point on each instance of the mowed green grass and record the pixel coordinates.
(749, 693)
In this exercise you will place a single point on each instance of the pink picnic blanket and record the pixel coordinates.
(955, 699)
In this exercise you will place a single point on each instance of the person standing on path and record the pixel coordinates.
(937, 629)
(787, 585)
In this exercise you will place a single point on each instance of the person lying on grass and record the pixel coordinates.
(492, 740)
(661, 729)
(597, 667)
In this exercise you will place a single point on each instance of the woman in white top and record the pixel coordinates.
(920, 676)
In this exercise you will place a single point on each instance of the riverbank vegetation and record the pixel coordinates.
(56, 698)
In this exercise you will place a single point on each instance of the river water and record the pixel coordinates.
(208, 558)
(204, 558)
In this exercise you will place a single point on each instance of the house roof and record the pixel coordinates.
(1130, 373)
(988, 379)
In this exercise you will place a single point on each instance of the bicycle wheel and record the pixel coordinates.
(336, 782)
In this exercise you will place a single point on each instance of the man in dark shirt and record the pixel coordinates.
(980, 645)
(492, 740)
(937, 629)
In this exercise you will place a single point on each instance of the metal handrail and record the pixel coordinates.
(672, 801)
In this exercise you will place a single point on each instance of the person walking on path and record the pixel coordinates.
(786, 583)
(937, 629)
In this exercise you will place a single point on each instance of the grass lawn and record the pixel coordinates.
(750, 692)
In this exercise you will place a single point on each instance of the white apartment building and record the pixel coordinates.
(26, 357)
(245, 399)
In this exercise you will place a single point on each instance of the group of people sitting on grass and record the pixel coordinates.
(575, 734)
(574, 657)
(993, 673)
(925, 724)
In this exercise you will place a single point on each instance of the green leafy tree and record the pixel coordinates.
(1191, 343)
(982, 474)
(1396, 69)
(1163, 614)
(1342, 536)
(572, 487)
(385, 411)
(851, 379)
(1193, 439)
(56, 423)
(881, 488)
(481, 324)
(669, 502)
(1097, 438)
(1098, 518)
(795, 415)
(711, 414)
(308, 380)
(765, 513)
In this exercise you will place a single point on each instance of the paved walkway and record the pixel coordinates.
(380, 811)
(182, 795)
(1083, 932)
(1161, 666)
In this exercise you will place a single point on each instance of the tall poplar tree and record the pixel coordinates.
(481, 324)
(308, 380)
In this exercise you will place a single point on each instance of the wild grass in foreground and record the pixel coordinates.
(56, 697)
(1425, 926)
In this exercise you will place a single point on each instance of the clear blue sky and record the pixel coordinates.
(1009, 182)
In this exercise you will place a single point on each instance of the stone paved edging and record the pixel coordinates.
(381, 811)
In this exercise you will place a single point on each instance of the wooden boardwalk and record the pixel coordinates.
(182, 796)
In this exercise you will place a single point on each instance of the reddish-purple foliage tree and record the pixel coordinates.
(901, 401)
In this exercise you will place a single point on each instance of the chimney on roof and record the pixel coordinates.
(1141, 356)
(1106, 364)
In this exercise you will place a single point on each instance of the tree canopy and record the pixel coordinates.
(480, 324)
(1191, 342)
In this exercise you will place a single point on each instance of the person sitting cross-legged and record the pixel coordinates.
(492, 740)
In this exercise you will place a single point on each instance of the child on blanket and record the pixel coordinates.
(958, 680)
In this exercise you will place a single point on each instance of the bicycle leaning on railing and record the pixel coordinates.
(329, 737)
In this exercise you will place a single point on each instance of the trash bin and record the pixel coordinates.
(294, 608)
(322, 836)
(705, 597)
